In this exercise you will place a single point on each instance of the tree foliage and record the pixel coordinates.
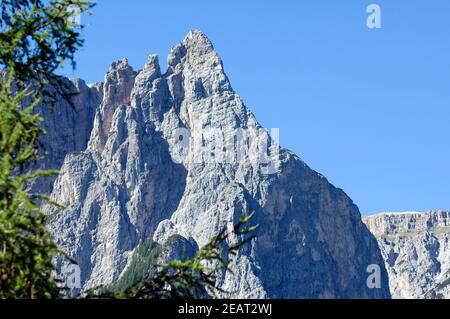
(190, 278)
(143, 266)
(35, 39)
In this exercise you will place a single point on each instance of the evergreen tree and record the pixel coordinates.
(35, 39)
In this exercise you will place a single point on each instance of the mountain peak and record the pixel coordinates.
(152, 62)
(196, 39)
(196, 45)
(119, 81)
(119, 64)
(139, 180)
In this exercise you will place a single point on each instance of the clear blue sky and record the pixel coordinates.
(369, 109)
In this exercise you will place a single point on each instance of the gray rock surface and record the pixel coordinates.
(416, 250)
(68, 127)
(179, 154)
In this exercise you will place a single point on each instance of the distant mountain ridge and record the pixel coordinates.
(416, 250)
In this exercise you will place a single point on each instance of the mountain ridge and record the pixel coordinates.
(416, 250)
(179, 154)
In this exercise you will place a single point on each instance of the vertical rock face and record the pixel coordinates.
(178, 154)
(119, 82)
(416, 250)
(68, 127)
(118, 189)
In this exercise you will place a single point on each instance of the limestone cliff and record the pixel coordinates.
(178, 153)
(416, 250)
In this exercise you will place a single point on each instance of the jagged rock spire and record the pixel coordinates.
(134, 182)
(119, 81)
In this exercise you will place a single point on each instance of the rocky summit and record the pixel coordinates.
(179, 155)
(416, 250)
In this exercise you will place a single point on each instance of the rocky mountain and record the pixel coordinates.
(416, 250)
(179, 155)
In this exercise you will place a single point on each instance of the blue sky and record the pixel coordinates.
(369, 109)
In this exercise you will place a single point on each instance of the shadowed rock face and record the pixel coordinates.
(416, 250)
(68, 127)
(138, 178)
